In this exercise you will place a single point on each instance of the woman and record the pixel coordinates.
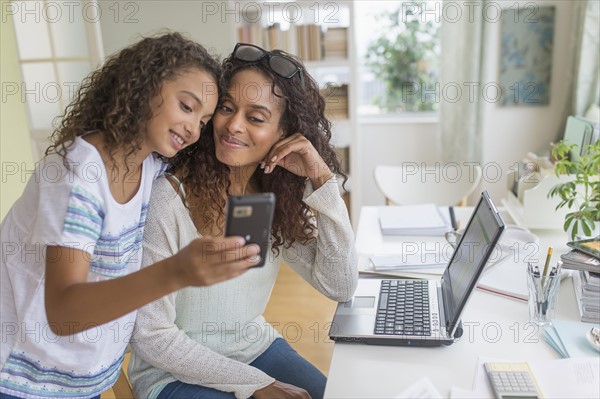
(269, 134)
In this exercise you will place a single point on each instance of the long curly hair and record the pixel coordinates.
(206, 179)
(115, 99)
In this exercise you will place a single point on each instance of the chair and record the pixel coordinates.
(122, 388)
(411, 183)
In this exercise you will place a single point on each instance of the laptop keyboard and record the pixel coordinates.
(403, 308)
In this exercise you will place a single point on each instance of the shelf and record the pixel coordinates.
(328, 63)
(322, 35)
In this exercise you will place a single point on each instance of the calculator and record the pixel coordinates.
(512, 380)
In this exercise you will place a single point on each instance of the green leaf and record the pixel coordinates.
(587, 228)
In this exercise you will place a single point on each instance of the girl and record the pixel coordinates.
(78, 228)
(269, 135)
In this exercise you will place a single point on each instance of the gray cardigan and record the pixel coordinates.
(209, 335)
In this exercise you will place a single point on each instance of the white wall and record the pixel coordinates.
(16, 155)
(510, 132)
(390, 143)
(208, 22)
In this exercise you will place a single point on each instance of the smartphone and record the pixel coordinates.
(251, 217)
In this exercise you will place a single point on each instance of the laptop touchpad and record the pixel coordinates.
(359, 302)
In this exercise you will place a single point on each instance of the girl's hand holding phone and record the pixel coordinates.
(208, 260)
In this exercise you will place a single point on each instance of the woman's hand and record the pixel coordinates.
(297, 155)
(280, 390)
(207, 260)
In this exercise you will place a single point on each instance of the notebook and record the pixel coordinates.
(431, 313)
(413, 220)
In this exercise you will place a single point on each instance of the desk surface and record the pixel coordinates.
(494, 326)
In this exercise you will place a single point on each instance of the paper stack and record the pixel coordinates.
(587, 292)
(568, 338)
(578, 260)
(413, 220)
(586, 282)
(430, 263)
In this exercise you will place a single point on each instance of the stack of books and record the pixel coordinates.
(586, 282)
(335, 43)
(336, 101)
(309, 42)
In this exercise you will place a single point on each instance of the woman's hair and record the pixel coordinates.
(207, 180)
(115, 99)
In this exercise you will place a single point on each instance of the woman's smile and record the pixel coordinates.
(231, 142)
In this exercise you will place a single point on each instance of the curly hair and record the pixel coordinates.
(207, 180)
(115, 99)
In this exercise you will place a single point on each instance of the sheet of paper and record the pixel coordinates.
(568, 378)
(423, 388)
(461, 393)
(413, 261)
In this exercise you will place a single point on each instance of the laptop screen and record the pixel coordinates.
(469, 258)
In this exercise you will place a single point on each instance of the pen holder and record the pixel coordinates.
(543, 294)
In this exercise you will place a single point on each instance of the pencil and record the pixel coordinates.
(546, 265)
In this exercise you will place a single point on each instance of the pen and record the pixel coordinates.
(452, 218)
(546, 265)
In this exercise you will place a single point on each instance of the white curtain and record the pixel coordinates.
(461, 67)
(586, 87)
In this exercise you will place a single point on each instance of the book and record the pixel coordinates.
(578, 260)
(508, 280)
(589, 246)
(414, 220)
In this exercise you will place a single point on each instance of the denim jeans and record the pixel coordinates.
(280, 361)
(7, 396)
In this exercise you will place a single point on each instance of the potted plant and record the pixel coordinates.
(582, 194)
(405, 57)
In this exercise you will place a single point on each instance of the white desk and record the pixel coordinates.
(494, 326)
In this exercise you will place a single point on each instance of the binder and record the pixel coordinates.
(579, 132)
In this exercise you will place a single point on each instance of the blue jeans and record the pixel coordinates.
(7, 396)
(280, 361)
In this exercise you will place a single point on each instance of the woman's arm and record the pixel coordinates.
(328, 262)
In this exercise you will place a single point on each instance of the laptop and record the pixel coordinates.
(409, 312)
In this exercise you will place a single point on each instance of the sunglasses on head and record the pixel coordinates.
(279, 62)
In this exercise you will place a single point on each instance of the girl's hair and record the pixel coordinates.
(207, 180)
(115, 99)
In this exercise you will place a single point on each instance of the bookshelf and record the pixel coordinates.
(321, 35)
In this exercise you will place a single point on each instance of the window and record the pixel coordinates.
(59, 44)
(398, 50)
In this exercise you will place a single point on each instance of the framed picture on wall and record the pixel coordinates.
(527, 41)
